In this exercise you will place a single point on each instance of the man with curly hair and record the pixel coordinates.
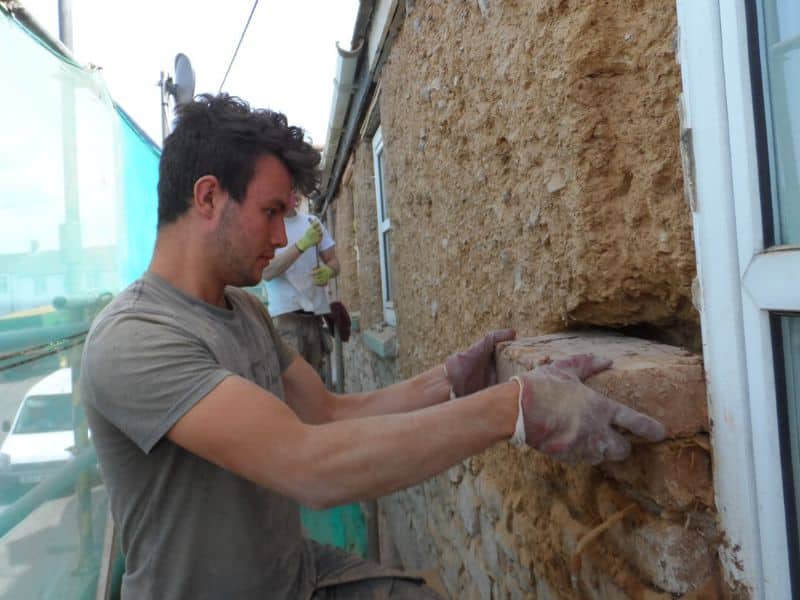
(210, 430)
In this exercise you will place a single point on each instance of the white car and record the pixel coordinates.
(40, 437)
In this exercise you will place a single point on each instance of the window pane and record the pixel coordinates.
(387, 264)
(381, 178)
(790, 332)
(780, 48)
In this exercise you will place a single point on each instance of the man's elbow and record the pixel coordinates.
(312, 491)
(320, 503)
(310, 481)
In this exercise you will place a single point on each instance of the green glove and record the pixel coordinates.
(321, 275)
(311, 237)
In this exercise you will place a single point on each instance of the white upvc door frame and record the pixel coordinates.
(736, 276)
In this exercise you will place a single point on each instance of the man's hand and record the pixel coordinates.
(473, 369)
(321, 275)
(570, 421)
(311, 237)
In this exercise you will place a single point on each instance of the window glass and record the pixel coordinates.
(45, 414)
(381, 177)
(780, 47)
(790, 333)
(387, 264)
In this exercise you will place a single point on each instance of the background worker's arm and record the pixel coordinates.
(328, 269)
(247, 430)
(279, 264)
(284, 260)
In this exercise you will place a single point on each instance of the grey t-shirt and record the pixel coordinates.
(189, 529)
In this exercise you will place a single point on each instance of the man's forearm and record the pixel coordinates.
(426, 389)
(281, 262)
(365, 458)
(333, 263)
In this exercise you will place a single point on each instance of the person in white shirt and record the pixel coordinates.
(296, 280)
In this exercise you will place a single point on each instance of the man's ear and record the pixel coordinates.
(207, 196)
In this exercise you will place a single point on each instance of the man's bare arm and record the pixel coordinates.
(467, 372)
(279, 264)
(287, 258)
(243, 428)
(313, 403)
(329, 258)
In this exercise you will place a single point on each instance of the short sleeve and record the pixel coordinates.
(286, 354)
(143, 374)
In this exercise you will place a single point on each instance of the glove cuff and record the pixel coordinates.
(447, 376)
(518, 439)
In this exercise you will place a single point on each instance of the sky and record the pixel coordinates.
(287, 60)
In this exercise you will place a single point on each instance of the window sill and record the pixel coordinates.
(382, 342)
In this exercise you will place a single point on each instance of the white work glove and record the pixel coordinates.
(569, 421)
(473, 369)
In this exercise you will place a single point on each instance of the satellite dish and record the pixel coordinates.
(181, 88)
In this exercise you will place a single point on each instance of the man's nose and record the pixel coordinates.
(279, 239)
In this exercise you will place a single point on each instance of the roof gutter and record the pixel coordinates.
(343, 90)
(358, 104)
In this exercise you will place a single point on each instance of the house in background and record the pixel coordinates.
(560, 166)
(34, 279)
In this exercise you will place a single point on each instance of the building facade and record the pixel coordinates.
(617, 178)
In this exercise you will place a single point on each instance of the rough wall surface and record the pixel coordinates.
(363, 251)
(364, 371)
(533, 180)
(532, 153)
(344, 233)
(508, 523)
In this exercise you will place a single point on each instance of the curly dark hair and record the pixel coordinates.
(222, 136)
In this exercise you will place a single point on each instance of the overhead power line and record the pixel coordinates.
(235, 52)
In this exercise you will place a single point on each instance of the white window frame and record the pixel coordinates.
(384, 225)
(737, 292)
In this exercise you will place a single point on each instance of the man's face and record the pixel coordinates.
(249, 233)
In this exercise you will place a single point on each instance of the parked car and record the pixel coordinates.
(41, 435)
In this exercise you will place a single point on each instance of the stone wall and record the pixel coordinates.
(532, 153)
(364, 370)
(533, 180)
(509, 523)
(357, 241)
